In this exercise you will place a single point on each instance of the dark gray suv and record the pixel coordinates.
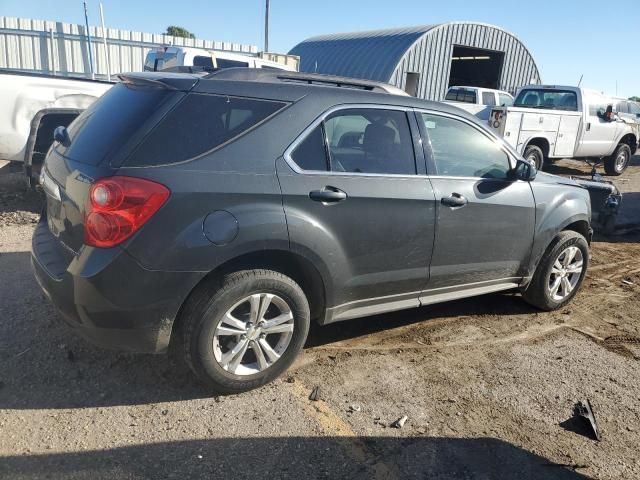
(223, 213)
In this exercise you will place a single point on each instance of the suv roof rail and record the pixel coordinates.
(272, 75)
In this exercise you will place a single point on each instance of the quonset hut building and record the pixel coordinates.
(424, 61)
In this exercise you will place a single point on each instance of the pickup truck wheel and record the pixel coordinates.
(619, 161)
(560, 272)
(534, 154)
(245, 330)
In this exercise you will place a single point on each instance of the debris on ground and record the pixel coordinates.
(583, 409)
(354, 408)
(399, 423)
(627, 282)
(315, 394)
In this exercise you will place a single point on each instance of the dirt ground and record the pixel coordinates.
(488, 385)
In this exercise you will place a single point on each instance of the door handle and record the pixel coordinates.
(588, 126)
(328, 195)
(454, 200)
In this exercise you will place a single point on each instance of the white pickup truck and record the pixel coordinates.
(477, 101)
(171, 57)
(549, 122)
(33, 106)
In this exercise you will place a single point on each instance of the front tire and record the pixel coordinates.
(619, 161)
(245, 329)
(559, 273)
(534, 154)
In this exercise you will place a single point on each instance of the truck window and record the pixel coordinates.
(505, 100)
(634, 108)
(226, 63)
(488, 98)
(452, 95)
(202, 61)
(547, 98)
(469, 96)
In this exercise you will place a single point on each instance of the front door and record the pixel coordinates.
(358, 203)
(598, 133)
(485, 220)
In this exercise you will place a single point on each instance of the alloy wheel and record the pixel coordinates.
(253, 334)
(565, 273)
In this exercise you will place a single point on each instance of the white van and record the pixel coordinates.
(165, 57)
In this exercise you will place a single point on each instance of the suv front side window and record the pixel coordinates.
(359, 140)
(460, 150)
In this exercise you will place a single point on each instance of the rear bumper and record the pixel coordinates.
(107, 297)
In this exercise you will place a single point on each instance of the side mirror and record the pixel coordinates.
(61, 136)
(637, 115)
(524, 171)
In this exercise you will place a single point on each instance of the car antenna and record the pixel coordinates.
(580, 81)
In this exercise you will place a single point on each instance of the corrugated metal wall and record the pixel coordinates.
(62, 48)
(431, 57)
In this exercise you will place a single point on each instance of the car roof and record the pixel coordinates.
(292, 86)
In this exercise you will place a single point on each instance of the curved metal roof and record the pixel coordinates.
(372, 54)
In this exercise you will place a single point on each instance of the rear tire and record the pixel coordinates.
(244, 301)
(619, 161)
(534, 153)
(557, 279)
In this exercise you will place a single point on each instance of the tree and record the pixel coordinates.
(635, 99)
(176, 31)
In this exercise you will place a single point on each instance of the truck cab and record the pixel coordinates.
(477, 101)
(548, 122)
(166, 57)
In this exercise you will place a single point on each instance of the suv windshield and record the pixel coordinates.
(547, 98)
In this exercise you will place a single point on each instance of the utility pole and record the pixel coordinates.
(266, 27)
(104, 42)
(86, 23)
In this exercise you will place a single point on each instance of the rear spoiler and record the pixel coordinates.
(174, 81)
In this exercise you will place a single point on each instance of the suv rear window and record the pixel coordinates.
(105, 125)
(199, 124)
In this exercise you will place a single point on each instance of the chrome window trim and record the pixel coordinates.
(511, 156)
(346, 106)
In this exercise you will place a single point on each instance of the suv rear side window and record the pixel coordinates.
(366, 140)
(199, 124)
(104, 126)
(460, 150)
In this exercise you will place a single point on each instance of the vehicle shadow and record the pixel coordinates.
(295, 457)
(45, 365)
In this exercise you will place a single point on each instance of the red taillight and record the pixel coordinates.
(118, 206)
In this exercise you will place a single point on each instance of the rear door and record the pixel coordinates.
(356, 196)
(485, 220)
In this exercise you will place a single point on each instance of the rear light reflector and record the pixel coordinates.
(118, 206)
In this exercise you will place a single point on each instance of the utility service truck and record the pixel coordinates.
(551, 122)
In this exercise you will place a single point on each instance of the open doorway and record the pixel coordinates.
(475, 67)
(411, 84)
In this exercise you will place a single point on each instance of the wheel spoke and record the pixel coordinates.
(234, 322)
(282, 328)
(566, 286)
(235, 356)
(556, 285)
(254, 300)
(265, 301)
(557, 265)
(262, 361)
(575, 267)
(270, 352)
(285, 317)
(222, 331)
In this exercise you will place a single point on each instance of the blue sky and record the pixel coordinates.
(567, 38)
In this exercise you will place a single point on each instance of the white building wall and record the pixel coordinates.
(62, 48)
